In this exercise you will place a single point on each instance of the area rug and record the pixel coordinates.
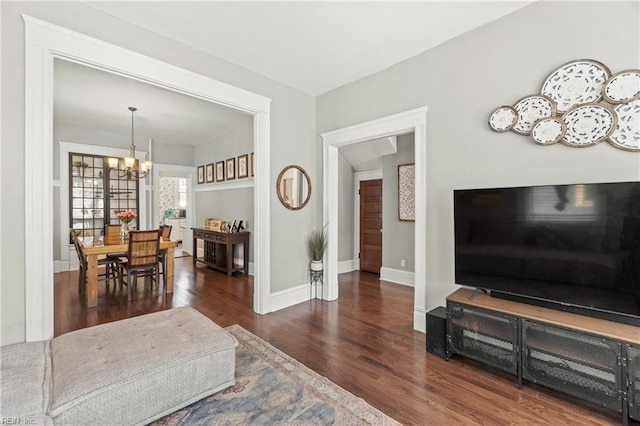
(274, 389)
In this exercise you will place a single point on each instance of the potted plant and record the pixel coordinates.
(317, 245)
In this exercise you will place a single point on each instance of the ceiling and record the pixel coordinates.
(311, 46)
(88, 98)
(368, 155)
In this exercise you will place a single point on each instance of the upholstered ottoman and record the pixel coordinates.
(137, 370)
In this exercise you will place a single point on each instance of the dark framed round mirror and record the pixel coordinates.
(293, 187)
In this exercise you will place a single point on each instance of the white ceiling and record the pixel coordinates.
(312, 46)
(368, 155)
(88, 98)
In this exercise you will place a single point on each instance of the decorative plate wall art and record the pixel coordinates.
(588, 124)
(580, 104)
(575, 83)
(548, 131)
(622, 87)
(503, 119)
(627, 133)
(531, 109)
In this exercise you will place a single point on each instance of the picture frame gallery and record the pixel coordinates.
(238, 167)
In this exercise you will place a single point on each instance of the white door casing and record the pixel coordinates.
(405, 122)
(45, 42)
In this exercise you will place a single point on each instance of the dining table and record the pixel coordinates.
(92, 248)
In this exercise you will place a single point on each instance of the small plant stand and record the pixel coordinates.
(315, 277)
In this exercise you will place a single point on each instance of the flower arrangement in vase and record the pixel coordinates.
(126, 218)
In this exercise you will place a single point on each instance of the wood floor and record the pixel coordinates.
(364, 342)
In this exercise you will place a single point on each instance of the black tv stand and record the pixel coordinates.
(592, 359)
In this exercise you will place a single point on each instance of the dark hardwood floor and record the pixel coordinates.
(364, 342)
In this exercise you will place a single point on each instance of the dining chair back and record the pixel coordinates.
(142, 257)
(110, 264)
(82, 263)
(112, 234)
(165, 231)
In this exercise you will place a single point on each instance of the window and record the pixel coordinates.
(90, 204)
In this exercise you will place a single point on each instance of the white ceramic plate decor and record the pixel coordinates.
(622, 87)
(575, 83)
(627, 133)
(588, 124)
(531, 109)
(502, 119)
(548, 130)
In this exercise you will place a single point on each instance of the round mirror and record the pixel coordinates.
(293, 187)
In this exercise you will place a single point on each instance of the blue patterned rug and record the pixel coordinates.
(274, 389)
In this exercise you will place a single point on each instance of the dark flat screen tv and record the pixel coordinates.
(569, 247)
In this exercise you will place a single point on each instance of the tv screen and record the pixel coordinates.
(570, 247)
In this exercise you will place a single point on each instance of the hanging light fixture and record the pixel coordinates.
(130, 167)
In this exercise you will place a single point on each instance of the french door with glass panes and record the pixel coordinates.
(98, 194)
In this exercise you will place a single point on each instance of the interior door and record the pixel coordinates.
(371, 225)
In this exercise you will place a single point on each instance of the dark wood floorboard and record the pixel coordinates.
(364, 342)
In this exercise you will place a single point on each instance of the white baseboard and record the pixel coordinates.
(397, 276)
(346, 266)
(63, 266)
(420, 320)
(289, 297)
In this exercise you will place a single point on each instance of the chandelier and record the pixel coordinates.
(130, 167)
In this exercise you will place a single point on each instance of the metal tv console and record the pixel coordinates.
(590, 358)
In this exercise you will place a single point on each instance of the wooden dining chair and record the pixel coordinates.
(165, 231)
(112, 234)
(111, 271)
(143, 257)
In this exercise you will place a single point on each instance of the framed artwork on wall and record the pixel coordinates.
(219, 171)
(209, 173)
(243, 166)
(406, 192)
(200, 174)
(252, 164)
(231, 168)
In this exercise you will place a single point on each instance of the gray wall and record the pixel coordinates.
(398, 238)
(463, 80)
(163, 153)
(229, 205)
(345, 212)
(293, 141)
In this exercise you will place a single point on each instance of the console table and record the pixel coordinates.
(593, 359)
(218, 249)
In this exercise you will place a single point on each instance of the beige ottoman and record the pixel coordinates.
(136, 370)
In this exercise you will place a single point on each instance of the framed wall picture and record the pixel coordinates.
(219, 171)
(209, 173)
(200, 174)
(252, 164)
(407, 192)
(243, 166)
(230, 168)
